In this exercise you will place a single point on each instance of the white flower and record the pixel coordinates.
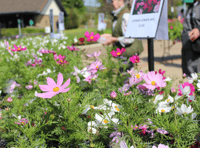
(75, 40)
(91, 126)
(198, 85)
(158, 97)
(88, 107)
(168, 79)
(194, 77)
(186, 91)
(193, 116)
(163, 107)
(169, 100)
(184, 110)
(105, 120)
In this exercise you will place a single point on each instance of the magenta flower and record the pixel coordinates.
(153, 80)
(95, 54)
(118, 52)
(72, 48)
(8, 47)
(61, 60)
(171, 27)
(44, 51)
(52, 88)
(192, 88)
(23, 121)
(29, 86)
(91, 37)
(18, 48)
(135, 59)
(161, 72)
(9, 99)
(113, 94)
(39, 61)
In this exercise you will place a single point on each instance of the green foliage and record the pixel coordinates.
(72, 20)
(175, 29)
(15, 31)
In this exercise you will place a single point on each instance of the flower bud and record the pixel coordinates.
(184, 75)
(9, 99)
(69, 100)
(113, 94)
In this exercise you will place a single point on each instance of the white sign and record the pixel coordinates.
(144, 19)
(61, 21)
(101, 24)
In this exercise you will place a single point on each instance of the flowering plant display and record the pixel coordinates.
(175, 30)
(91, 104)
(146, 6)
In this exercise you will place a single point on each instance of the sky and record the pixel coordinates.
(91, 3)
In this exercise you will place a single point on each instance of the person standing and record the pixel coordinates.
(119, 25)
(191, 28)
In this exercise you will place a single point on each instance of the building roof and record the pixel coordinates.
(25, 6)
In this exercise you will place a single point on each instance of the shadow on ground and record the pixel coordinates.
(167, 61)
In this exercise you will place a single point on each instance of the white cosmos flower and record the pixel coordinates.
(186, 91)
(193, 116)
(194, 77)
(198, 85)
(184, 109)
(88, 107)
(169, 100)
(105, 120)
(158, 97)
(91, 127)
(163, 107)
(168, 79)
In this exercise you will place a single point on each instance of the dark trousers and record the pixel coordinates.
(190, 58)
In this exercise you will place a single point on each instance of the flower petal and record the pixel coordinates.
(65, 84)
(47, 95)
(51, 82)
(64, 90)
(59, 79)
(46, 88)
(87, 34)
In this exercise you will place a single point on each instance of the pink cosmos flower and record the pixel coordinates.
(192, 88)
(77, 71)
(8, 47)
(124, 88)
(95, 66)
(91, 37)
(118, 52)
(43, 51)
(61, 60)
(29, 86)
(23, 121)
(135, 59)
(113, 94)
(135, 79)
(153, 80)
(12, 87)
(90, 78)
(161, 72)
(18, 48)
(52, 88)
(35, 82)
(162, 131)
(72, 48)
(171, 27)
(17, 36)
(9, 99)
(95, 54)
(55, 56)
(39, 61)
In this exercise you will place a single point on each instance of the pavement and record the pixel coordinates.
(171, 63)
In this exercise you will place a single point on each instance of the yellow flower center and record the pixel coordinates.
(118, 53)
(18, 48)
(9, 48)
(168, 100)
(136, 61)
(137, 76)
(153, 83)
(136, 127)
(105, 121)
(61, 61)
(56, 89)
(22, 122)
(162, 110)
(91, 37)
(173, 107)
(116, 106)
(91, 106)
(117, 109)
(97, 67)
(153, 99)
